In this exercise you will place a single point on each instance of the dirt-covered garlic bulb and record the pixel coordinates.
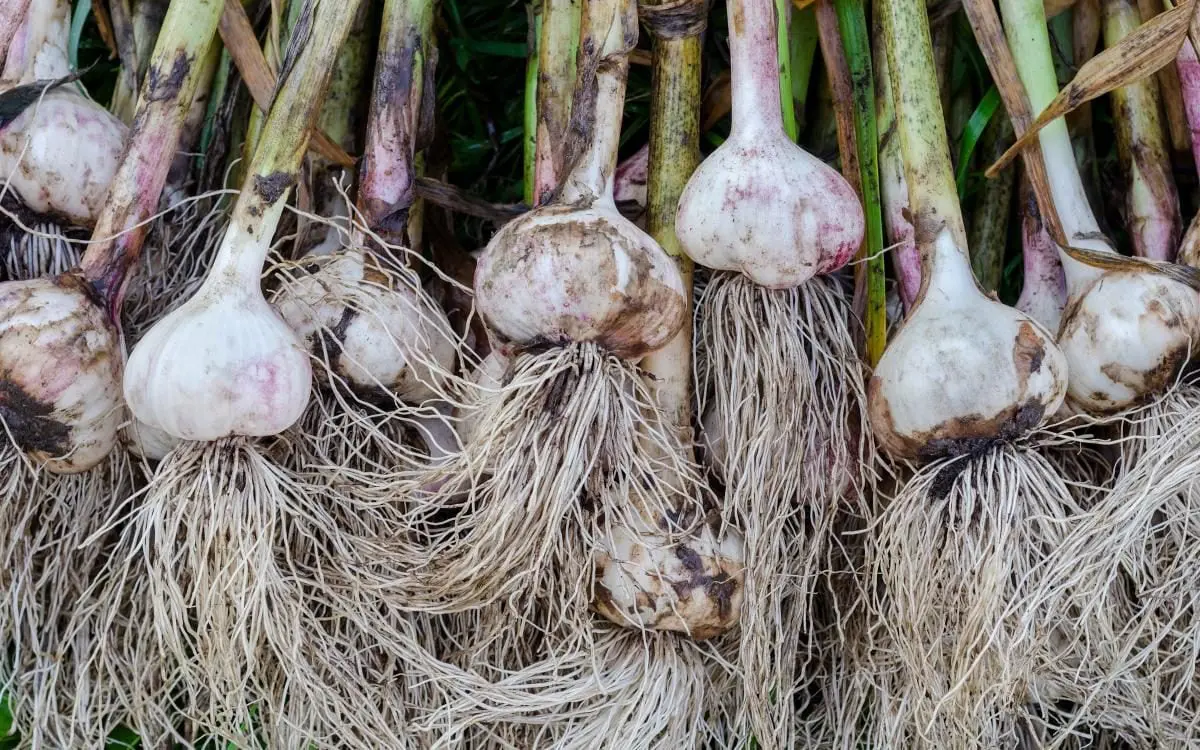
(1126, 333)
(60, 372)
(224, 363)
(376, 327)
(761, 205)
(964, 370)
(692, 586)
(576, 270)
(59, 154)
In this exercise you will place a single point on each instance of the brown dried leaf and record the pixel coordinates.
(1139, 55)
(238, 36)
(717, 103)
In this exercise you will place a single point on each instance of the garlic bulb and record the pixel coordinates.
(224, 363)
(579, 273)
(964, 368)
(1126, 335)
(60, 155)
(148, 442)
(60, 372)
(377, 327)
(576, 270)
(645, 580)
(760, 205)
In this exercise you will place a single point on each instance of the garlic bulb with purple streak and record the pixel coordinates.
(761, 205)
(59, 154)
(224, 363)
(60, 372)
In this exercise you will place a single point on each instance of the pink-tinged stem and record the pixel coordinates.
(1189, 80)
(167, 93)
(754, 64)
(630, 186)
(402, 71)
(12, 13)
(1044, 293)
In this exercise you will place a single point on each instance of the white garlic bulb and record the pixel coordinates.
(567, 273)
(60, 372)
(378, 329)
(60, 155)
(761, 205)
(963, 369)
(1126, 335)
(692, 586)
(224, 363)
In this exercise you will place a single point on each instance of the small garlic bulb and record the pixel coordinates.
(60, 155)
(376, 326)
(694, 586)
(964, 369)
(224, 363)
(148, 442)
(1126, 335)
(487, 378)
(568, 273)
(60, 372)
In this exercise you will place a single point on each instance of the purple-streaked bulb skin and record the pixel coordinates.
(762, 206)
(563, 274)
(60, 372)
(60, 155)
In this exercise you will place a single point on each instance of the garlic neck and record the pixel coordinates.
(947, 271)
(244, 248)
(754, 63)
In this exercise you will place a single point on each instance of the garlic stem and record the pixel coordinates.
(558, 45)
(1188, 64)
(893, 188)
(187, 34)
(1151, 199)
(1044, 291)
(674, 155)
(754, 65)
(933, 195)
(402, 69)
(1029, 40)
(591, 179)
(282, 145)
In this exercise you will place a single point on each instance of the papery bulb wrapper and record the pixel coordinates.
(61, 154)
(692, 586)
(60, 372)
(760, 205)
(384, 333)
(562, 274)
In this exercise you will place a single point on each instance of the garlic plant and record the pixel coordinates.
(963, 387)
(778, 375)
(217, 372)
